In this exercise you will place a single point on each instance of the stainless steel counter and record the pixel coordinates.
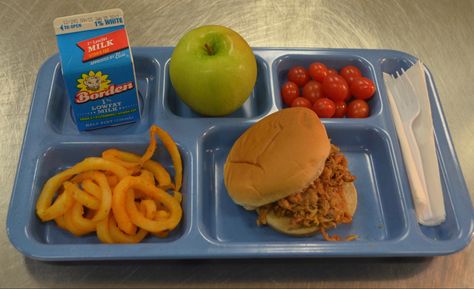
(440, 33)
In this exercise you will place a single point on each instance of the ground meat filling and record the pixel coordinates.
(322, 204)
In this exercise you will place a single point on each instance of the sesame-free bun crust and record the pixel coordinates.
(283, 225)
(279, 155)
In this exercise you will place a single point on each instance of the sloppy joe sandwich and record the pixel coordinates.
(286, 169)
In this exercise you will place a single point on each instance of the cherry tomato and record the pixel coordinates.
(350, 72)
(362, 88)
(341, 108)
(289, 91)
(312, 90)
(301, 101)
(298, 75)
(332, 71)
(324, 107)
(336, 88)
(318, 71)
(358, 108)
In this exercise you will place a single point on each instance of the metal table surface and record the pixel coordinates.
(440, 33)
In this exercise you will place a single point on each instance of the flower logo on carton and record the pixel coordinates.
(95, 85)
(93, 82)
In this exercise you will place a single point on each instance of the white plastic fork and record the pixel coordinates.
(410, 110)
(423, 130)
(405, 110)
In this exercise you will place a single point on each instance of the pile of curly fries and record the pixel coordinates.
(121, 196)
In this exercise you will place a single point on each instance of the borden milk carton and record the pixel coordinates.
(97, 67)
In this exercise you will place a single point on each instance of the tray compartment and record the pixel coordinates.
(284, 63)
(258, 103)
(380, 215)
(59, 115)
(450, 229)
(62, 156)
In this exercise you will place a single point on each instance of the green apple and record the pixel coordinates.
(213, 70)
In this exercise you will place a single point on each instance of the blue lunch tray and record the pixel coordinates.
(213, 226)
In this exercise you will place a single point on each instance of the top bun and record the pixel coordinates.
(280, 155)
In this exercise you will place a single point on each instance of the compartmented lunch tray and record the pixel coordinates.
(212, 225)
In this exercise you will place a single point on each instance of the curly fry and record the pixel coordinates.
(118, 157)
(160, 173)
(150, 150)
(106, 197)
(126, 157)
(91, 187)
(61, 222)
(53, 184)
(162, 234)
(141, 221)
(87, 174)
(147, 176)
(102, 192)
(71, 226)
(63, 202)
(173, 151)
(103, 232)
(83, 197)
(77, 220)
(178, 196)
(161, 215)
(147, 208)
(120, 237)
(118, 207)
(113, 180)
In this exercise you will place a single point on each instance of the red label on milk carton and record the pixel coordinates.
(103, 44)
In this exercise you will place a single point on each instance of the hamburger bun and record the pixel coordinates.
(282, 154)
(279, 155)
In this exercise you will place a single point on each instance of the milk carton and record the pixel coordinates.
(98, 69)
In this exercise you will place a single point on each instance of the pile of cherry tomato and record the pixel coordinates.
(327, 92)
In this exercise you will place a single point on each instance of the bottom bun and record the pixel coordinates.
(283, 224)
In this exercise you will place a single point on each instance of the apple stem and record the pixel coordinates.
(209, 49)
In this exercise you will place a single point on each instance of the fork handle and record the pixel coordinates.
(415, 150)
(420, 196)
(411, 154)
